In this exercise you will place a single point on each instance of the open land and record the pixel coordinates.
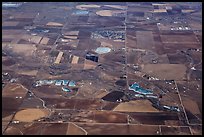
(70, 68)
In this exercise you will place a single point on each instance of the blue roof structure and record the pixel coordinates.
(58, 82)
(72, 83)
(65, 82)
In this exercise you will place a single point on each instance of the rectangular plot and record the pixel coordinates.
(55, 129)
(44, 40)
(190, 39)
(58, 59)
(75, 33)
(36, 39)
(109, 117)
(175, 131)
(75, 59)
(88, 104)
(10, 23)
(154, 118)
(144, 39)
(166, 71)
(122, 129)
(71, 37)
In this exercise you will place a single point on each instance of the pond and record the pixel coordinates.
(102, 50)
(81, 12)
(135, 87)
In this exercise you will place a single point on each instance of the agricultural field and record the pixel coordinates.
(102, 68)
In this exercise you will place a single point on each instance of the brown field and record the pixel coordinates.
(77, 66)
(177, 58)
(131, 42)
(171, 98)
(110, 43)
(28, 15)
(10, 31)
(11, 107)
(106, 76)
(28, 72)
(35, 39)
(70, 44)
(173, 47)
(26, 37)
(195, 25)
(196, 130)
(10, 23)
(171, 122)
(165, 71)
(191, 90)
(133, 57)
(25, 49)
(109, 117)
(111, 129)
(83, 116)
(136, 106)
(191, 105)
(33, 128)
(89, 64)
(12, 131)
(48, 91)
(6, 117)
(60, 103)
(105, 44)
(31, 103)
(29, 115)
(4, 44)
(110, 106)
(9, 36)
(188, 39)
(13, 89)
(154, 118)
(101, 93)
(153, 44)
(159, 10)
(4, 125)
(8, 61)
(88, 104)
(144, 40)
(30, 38)
(55, 129)
(175, 131)
(73, 129)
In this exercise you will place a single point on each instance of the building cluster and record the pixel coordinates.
(63, 83)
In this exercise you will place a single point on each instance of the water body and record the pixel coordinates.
(102, 50)
(135, 87)
(81, 12)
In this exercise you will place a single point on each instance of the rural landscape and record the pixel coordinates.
(102, 68)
